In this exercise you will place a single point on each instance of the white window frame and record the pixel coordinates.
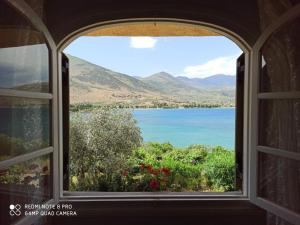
(255, 96)
(117, 196)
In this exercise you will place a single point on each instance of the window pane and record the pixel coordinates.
(273, 219)
(25, 183)
(24, 55)
(25, 125)
(279, 181)
(279, 124)
(280, 60)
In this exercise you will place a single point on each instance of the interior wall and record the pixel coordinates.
(246, 18)
(240, 17)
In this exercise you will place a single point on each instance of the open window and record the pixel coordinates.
(275, 146)
(26, 156)
(161, 163)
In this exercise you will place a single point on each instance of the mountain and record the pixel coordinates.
(92, 83)
(168, 84)
(218, 81)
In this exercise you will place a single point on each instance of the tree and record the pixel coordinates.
(101, 142)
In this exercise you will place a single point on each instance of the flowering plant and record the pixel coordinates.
(157, 178)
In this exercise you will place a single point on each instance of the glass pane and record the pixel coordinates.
(279, 181)
(25, 125)
(276, 220)
(280, 66)
(25, 183)
(24, 55)
(279, 124)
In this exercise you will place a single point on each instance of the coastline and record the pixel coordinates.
(92, 106)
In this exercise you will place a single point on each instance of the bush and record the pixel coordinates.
(100, 144)
(195, 168)
(106, 155)
(220, 169)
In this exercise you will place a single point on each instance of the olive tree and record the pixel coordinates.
(101, 141)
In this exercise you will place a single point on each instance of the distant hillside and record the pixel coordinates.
(167, 83)
(91, 83)
(219, 81)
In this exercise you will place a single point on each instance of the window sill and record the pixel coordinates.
(208, 212)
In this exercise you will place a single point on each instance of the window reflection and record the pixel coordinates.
(25, 183)
(279, 181)
(279, 124)
(25, 125)
(280, 65)
(24, 55)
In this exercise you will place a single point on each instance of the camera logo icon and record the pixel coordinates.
(15, 210)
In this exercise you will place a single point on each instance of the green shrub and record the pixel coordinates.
(220, 169)
(106, 155)
(100, 144)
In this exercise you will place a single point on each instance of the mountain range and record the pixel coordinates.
(91, 83)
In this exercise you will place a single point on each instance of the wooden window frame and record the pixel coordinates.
(255, 97)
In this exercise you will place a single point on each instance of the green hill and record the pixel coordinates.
(91, 83)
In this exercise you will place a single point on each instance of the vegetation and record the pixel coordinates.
(155, 104)
(34, 173)
(100, 145)
(12, 146)
(107, 154)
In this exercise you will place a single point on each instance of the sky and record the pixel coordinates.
(193, 57)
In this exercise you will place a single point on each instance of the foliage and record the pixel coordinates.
(195, 168)
(33, 173)
(107, 154)
(13, 146)
(161, 167)
(220, 169)
(88, 107)
(100, 144)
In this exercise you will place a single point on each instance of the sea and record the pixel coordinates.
(184, 127)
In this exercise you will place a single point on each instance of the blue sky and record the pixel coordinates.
(144, 56)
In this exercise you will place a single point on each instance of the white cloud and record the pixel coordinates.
(142, 42)
(222, 65)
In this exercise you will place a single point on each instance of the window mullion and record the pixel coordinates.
(279, 152)
(279, 95)
(25, 157)
(24, 94)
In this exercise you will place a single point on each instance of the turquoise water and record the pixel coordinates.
(183, 127)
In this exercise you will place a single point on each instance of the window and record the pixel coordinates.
(26, 168)
(166, 117)
(275, 144)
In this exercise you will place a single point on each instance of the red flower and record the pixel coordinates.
(142, 166)
(154, 185)
(149, 168)
(166, 171)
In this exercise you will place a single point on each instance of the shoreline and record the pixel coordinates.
(222, 107)
(90, 107)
